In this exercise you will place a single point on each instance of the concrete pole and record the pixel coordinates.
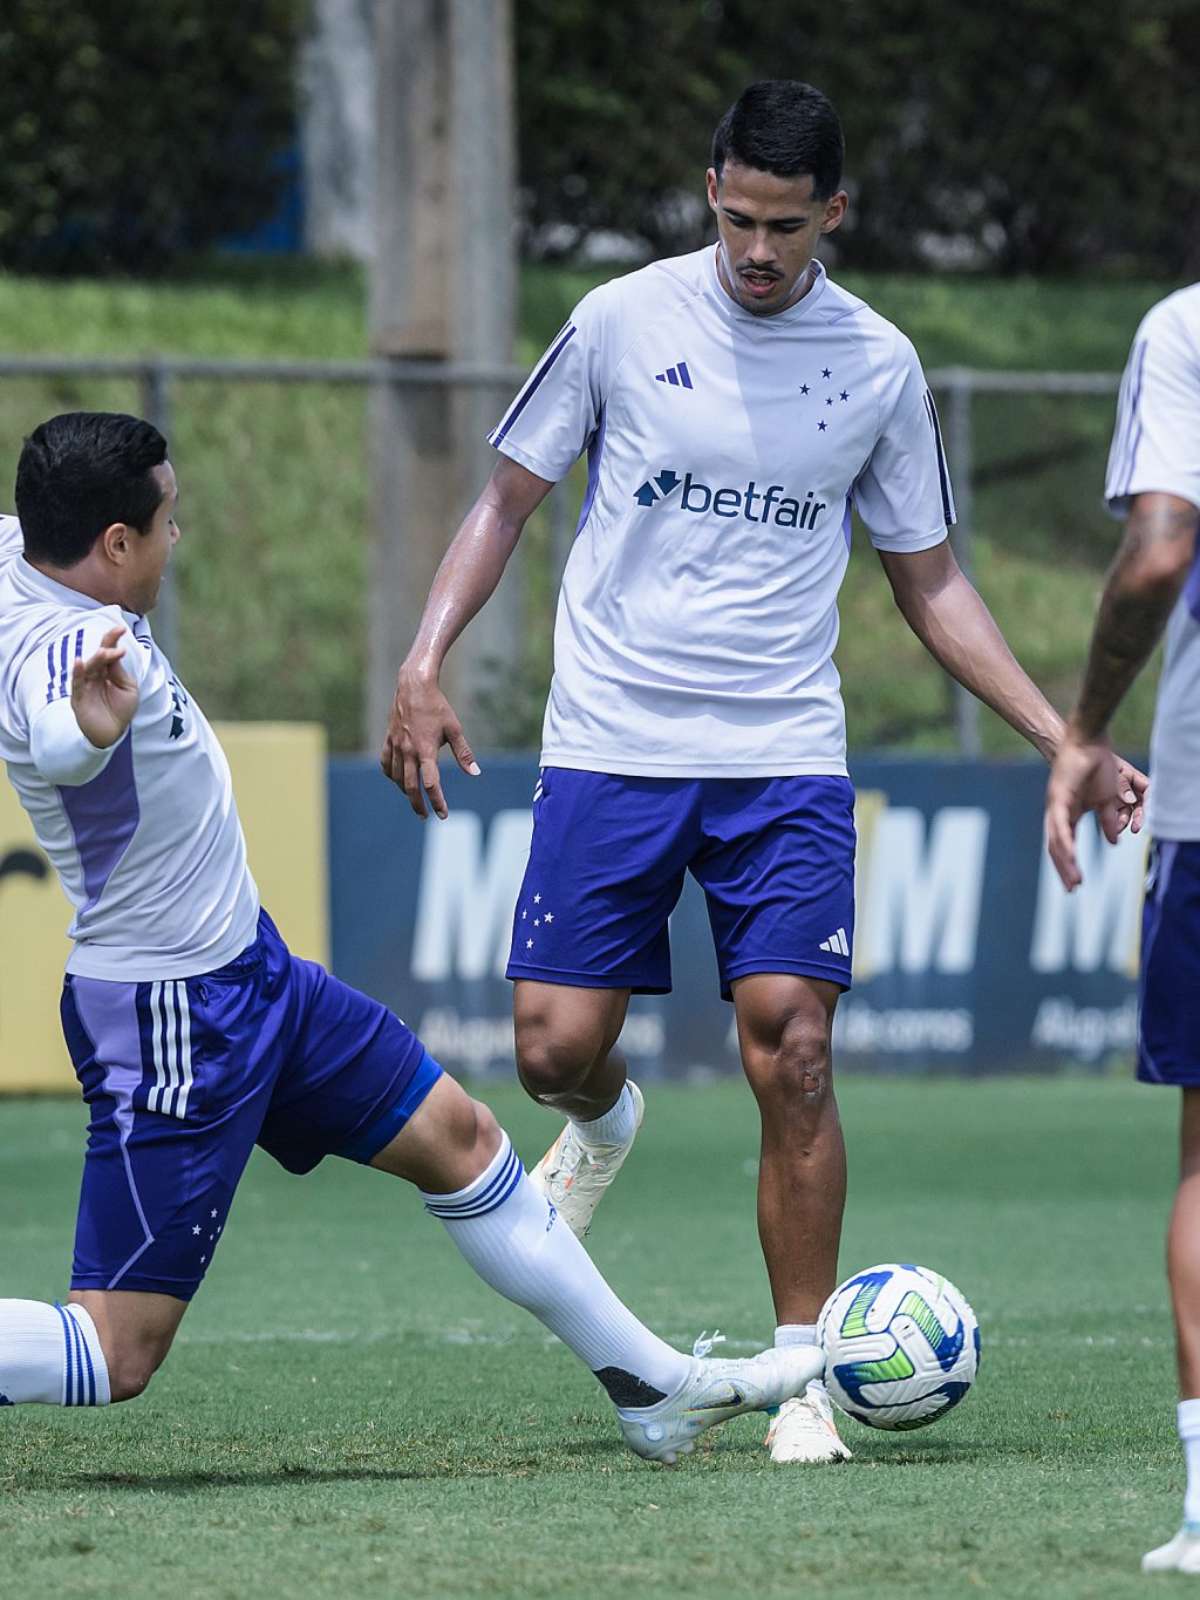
(443, 288)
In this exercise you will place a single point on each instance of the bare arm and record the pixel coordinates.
(949, 617)
(422, 719)
(1143, 585)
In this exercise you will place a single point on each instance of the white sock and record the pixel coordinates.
(1189, 1434)
(617, 1126)
(789, 1334)
(50, 1355)
(513, 1238)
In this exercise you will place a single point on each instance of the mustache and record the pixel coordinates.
(759, 272)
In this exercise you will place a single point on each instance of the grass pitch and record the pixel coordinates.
(349, 1412)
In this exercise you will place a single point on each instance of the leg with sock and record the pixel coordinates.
(514, 1239)
(1182, 1553)
(50, 1355)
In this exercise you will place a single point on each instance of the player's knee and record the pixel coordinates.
(553, 1061)
(484, 1133)
(792, 1064)
(130, 1371)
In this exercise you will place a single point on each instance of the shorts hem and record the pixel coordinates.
(381, 1130)
(750, 968)
(583, 980)
(135, 1283)
(1187, 1079)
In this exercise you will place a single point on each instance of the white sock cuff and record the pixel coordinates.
(86, 1382)
(790, 1334)
(1188, 1414)
(617, 1125)
(483, 1194)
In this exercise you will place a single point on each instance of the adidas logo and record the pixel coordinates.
(836, 943)
(678, 377)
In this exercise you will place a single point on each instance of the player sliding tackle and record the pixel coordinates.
(195, 1033)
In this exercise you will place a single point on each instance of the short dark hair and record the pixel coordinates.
(81, 472)
(786, 128)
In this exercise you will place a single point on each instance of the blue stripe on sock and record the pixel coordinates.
(509, 1178)
(77, 1335)
(446, 1203)
(69, 1399)
(87, 1356)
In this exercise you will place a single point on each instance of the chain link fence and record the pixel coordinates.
(266, 615)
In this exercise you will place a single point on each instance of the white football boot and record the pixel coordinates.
(1180, 1554)
(716, 1391)
(574, 1174)
(804, 1429)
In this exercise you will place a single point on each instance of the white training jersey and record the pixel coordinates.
(1156, 449)
(698, 613)
(150, 850)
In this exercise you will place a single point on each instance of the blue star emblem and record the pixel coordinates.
(825, 372)
(843, 395)
(821, 427)
(803, 388)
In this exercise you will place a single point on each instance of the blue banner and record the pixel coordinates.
(968, 954)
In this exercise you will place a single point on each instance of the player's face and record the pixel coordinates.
(769, 228)
(149, 552)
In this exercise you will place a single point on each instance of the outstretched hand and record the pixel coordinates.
(1088, 775)
(422, 720)
(103, 695)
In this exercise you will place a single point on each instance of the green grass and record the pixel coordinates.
(273, 569)
(349, 1412)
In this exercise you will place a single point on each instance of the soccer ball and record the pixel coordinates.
(901, 1346)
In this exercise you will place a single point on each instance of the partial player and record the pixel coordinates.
(195, 1033)
(1154, 588)
(736, 408)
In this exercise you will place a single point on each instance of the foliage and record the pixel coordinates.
(133, 133)
(1037, 136)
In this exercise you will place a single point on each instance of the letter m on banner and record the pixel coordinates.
(467, 895)
(919, 889)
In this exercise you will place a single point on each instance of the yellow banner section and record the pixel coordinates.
(279, 780)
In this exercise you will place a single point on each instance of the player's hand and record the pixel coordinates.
(1132, 788)
(1087, 776)
(103, 695)
(422, 720)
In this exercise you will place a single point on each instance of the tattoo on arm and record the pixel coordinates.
(1142, 588)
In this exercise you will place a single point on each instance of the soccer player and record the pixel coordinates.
(194, 1032)
(735, 406)
(1154, 483)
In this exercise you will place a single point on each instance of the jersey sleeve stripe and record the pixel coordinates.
(62, 661)
(943, 474)
(50, 664)
(1133, 437)
(497, 436)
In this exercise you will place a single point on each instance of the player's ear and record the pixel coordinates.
(835, 210)
(711, 184)
(114, 541)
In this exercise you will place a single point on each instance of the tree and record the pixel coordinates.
(1041, 135)
(135, 131)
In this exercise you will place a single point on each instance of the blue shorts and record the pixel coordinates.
(1169, 981)
(774, 856)
(185, 1077)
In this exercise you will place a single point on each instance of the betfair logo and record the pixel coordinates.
(751, 503)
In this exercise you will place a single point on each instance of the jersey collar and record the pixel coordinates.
(803, 308)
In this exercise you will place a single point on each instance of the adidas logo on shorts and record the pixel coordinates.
(836, 943)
